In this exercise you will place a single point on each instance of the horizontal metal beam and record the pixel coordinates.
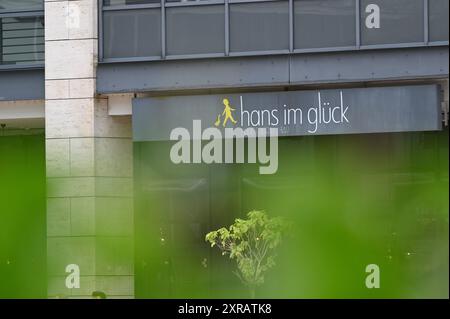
(271, 71)
(22, 85)
(368, 66)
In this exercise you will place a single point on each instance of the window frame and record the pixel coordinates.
(9, 13)
(163, 4)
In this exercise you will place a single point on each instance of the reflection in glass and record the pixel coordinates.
(197, 29)
(12, 5)
(21, 40)
(132, 33)
(438, 10)
(324, 23)
(401, 21)
(262, 26)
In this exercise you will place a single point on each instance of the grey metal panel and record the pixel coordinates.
(277, 70)
(259, 26)
(401, 21)
(370, 65)
(438, 10)
(195, 30)
(192, 74)
(324, 23)
(121, 38)
(294, 113)
(22, 85)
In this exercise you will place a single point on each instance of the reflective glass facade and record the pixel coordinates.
(212, 28)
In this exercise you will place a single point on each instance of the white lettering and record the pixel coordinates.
(373, 18)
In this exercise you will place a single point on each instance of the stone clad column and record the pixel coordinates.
(89, 162)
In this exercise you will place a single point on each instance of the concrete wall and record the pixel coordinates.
(89, 162)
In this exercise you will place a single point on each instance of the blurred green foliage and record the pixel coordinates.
(353, 200)
(22, 217)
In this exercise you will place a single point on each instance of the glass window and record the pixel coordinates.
(324, 23)
(11, 5)
(259, 26)
(132, 33)
(21, 40)
(400, 21)
(438, 13)
(389, 191)
(195, 29)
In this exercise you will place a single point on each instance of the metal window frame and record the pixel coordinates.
(129, 7)
(227, 3)
(426, 25)
(14, 14)
(194, 4)
(22, 11)
(39, 13)
(163, 29)
(227, 27)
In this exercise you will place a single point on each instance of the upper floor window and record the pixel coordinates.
(175, 29)
(21, 32)
(15, 5)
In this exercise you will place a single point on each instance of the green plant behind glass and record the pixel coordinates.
(252, 243)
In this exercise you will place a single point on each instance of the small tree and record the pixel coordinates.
(251, 242)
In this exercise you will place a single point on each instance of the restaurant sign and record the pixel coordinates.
(291, 113)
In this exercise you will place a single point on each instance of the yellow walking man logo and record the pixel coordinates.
(227, 112)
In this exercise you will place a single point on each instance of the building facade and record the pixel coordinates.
(90, 91)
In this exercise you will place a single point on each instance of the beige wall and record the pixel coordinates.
(89, 162)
